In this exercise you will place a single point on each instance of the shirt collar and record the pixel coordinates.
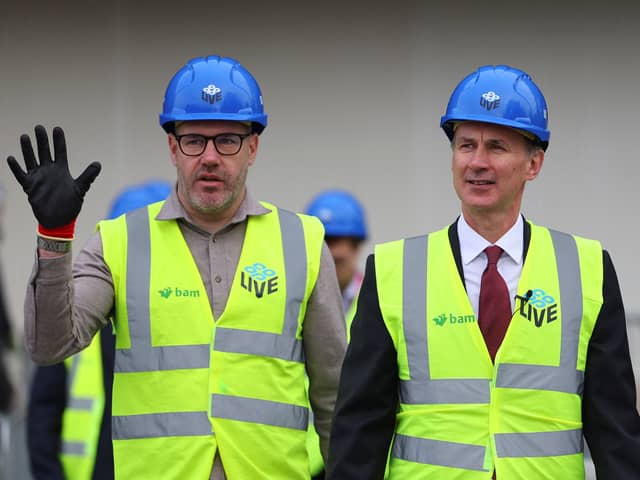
(472, 244)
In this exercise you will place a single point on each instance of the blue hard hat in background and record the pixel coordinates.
(341, 214)
(136, 196)
(501, 95)
(213, 88)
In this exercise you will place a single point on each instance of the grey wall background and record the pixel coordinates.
(354, 92)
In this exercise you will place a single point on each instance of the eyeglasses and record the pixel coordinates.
(194, 144)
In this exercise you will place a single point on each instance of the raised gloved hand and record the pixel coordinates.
(55, 197)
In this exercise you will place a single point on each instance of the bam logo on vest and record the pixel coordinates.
(259, 279)
(166, 292)
(442, 319)
(539, 309)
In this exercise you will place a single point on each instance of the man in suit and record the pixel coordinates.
(490, 348)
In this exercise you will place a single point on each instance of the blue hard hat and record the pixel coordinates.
(340, 213)
(500, 95)
(137, 196)
(213, 88)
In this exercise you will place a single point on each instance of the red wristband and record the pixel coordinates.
(65, 232)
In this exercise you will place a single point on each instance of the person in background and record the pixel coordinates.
(492, 347)
(221, 304)
(345, 230)
(7, 392)
(345, 227)
(69, 407)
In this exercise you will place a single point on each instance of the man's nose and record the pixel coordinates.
(210, 154)
(479, 157)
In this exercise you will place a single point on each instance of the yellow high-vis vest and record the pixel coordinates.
(350, 315)
(82, 417)
(186, 386)
(460, 416)
(316, 463)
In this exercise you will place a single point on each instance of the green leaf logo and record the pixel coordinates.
(165, 292)
(440, 319)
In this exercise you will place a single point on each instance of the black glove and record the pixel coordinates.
(55, 197)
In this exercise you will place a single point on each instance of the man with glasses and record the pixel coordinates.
(220, 303)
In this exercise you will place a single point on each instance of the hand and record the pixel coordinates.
(55, 197)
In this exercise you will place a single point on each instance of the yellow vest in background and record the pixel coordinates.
(186, 386)
(82, 416)
(460, 416)
(350, 315)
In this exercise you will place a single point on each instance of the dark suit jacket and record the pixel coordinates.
(367, 401)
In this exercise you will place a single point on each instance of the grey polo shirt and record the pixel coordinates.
(67, 303)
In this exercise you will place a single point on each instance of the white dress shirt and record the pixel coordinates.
(474, 260)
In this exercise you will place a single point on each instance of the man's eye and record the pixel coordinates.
(228, 140)
(192, 141)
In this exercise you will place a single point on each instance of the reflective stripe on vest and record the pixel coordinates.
(82, 417)
(73, 448)
(437, 452)
(284, 346)
(539, 444)
(564, 378)
(176, 424)
(69, 447)
(75, 403)
(260, 411)
(421, 389)
(144, 357)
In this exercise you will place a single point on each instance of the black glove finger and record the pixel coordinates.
(42, 139)
(27, 152)
(59, 146)
(86, 178)
(20, 174)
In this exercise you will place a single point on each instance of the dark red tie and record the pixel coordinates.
(494, 306)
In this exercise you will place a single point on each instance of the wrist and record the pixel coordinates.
(65, 232)
(54, 245)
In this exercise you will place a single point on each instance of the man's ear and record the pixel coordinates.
(535, 164)
(173, 148)
(254, 141)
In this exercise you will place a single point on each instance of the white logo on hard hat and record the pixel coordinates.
(211, 94)
(490, 100)
(491, 96)
(211, 89)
